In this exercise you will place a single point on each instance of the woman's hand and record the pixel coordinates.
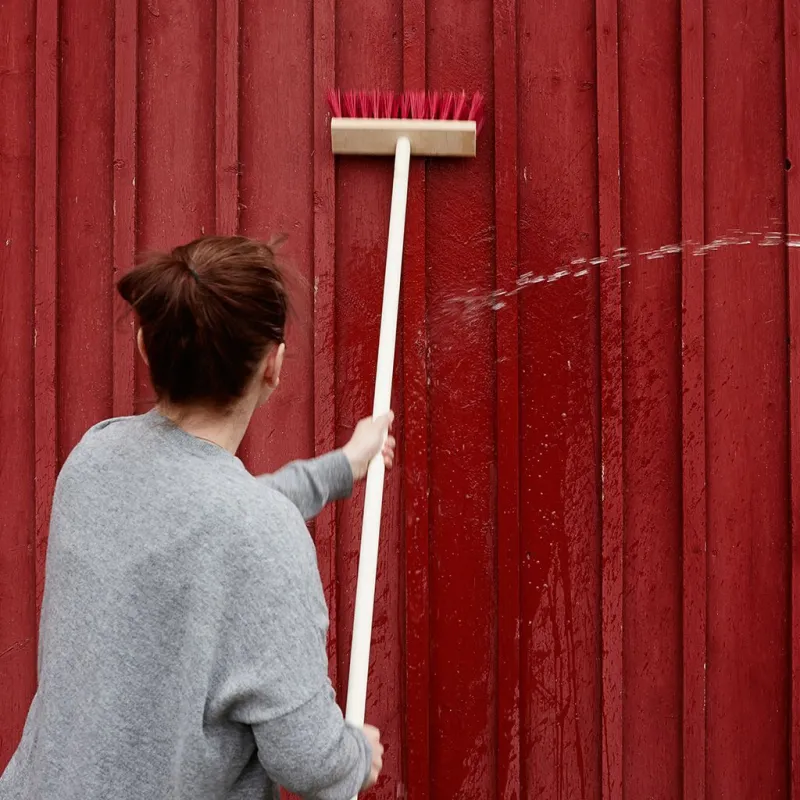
(370, 437)
(374, 738)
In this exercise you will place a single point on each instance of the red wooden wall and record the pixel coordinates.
(588, 581)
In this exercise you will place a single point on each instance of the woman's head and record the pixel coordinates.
(212, 316)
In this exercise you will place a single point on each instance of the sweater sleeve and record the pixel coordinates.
(275, 669)
(313, 753)
(311, 485)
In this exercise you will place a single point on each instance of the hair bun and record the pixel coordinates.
(204, 347)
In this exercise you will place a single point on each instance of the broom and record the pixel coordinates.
(383, 124)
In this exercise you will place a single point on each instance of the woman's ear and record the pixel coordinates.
(270, 370)
(268, 375)
(274, 366)
(277, 241)
(140, 345)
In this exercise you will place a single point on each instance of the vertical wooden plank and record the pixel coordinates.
(415, 440)
(504, 29)
(560, 565)
(748, 682)
(226, 150)
(791, 71)
(694, 402)
(369, 41)
(176, 172)
(45, 274)
(85, 219)
(324, 38)
(17, 494)
(608, 158)
(276, 194)
(124, 232)
(460, 255)
(649, 59)
(176, 164)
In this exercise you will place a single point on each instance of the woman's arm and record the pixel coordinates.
(274, 665)
(311, 485)
(313, 753)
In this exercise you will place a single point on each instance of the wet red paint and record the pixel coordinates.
(693, 410)
(747, 396)
(559, 395)
(791, 43)
(650, 134)
(507, 405)
(548, 621)
(460, 207)
(416, 776)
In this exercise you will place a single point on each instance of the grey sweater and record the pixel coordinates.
(182, 646)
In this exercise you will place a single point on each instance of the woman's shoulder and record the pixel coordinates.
(183, 478)
(263, 514)
(110, 431)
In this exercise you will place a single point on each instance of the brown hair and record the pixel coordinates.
(208, 310)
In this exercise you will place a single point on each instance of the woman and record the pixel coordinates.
(182, 647)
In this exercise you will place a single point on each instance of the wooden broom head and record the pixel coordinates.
(370, 123)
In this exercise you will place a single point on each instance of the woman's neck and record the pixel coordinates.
(223, 428)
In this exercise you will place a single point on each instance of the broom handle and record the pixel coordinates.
(370, 530)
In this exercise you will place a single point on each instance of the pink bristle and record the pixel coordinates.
(460, 109)
(405, 106)
(433, 105)
(335, 102)
(448, 101)
(375, 101)
(477, 111)
(408, 105)
(418, 105)
(387, 105)
(350, 106)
